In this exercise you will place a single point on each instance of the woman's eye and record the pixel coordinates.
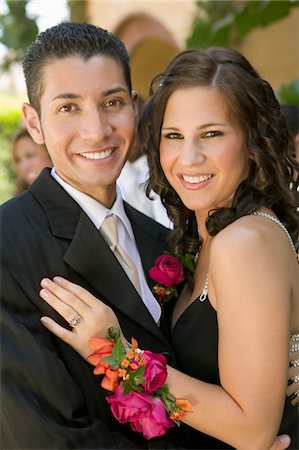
(173, 136)
(212, 133)
(67, 108)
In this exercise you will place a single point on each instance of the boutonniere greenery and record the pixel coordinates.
(169, 271)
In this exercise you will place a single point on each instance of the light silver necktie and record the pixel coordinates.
(110, 233)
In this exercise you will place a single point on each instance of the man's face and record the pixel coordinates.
(87, 122)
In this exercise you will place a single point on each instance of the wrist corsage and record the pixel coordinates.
(137, 379)
(169, 271)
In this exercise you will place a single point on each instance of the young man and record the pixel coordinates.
(82, 108)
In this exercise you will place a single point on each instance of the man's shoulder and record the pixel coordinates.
(15, 203)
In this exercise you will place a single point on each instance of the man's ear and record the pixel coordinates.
(134, 97)
(32, 122)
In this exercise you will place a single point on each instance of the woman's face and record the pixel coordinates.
(202, 149)
(29, 159)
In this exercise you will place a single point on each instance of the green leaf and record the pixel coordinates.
(113, 333)
(117, 356)
(111, 361)
(290, 93)
(135, 381)
(188, 261)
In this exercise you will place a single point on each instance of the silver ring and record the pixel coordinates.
(74, 321)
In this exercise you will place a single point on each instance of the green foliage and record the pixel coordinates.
(225, 23)
(78, 10)
(9, 123)
(290, 93)
(18, 31)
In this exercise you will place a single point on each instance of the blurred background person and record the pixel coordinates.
(28, 159)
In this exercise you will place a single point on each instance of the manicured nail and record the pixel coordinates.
(44, 320)
(285, 440)
(44, 293)
(290, 381)
(58, 279)
(45, 282)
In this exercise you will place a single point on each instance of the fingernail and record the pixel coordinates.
(293, 396)
(44, 320)
(58, 279)
(290, 381)
(44, 293)
(45, 282)
(285, 440)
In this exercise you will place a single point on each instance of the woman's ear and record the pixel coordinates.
(32, 122)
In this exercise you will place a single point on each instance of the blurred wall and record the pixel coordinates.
(154, 31)
(274, 50)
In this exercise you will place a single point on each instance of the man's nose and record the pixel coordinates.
(95, 125)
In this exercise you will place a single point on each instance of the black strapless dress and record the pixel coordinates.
(198, 326)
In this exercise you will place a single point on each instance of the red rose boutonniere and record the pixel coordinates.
(169, 271)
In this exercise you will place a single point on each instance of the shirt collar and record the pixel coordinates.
(94, 209)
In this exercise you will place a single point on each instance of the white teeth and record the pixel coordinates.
(196, 179)
(97, 155)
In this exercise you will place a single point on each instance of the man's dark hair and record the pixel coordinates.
(70, 39)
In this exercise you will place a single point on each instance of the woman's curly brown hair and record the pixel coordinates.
(252, 101)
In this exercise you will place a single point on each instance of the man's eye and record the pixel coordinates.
(114, 103)
(173, 136)
(67, 108)
(212, 133)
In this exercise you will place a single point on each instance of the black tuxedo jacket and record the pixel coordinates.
(50, 397)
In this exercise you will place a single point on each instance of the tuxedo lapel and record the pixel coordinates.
(151, 239)
(91, 257)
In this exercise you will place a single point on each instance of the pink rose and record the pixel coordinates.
(167, 270)
(156, 423)
(155, 372)
(131, 407)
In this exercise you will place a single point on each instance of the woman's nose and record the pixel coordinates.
(192, 153)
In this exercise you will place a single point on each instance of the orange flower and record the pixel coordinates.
(101, 348)
(184, 405)
(110, 380)
(134, 344)
(122, 373)
(125, 363)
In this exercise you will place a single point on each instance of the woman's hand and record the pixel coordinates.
(90, 316)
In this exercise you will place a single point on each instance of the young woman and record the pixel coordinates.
(221, 158)
(28, 159)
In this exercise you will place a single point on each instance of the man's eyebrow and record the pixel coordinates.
(115, 90)
(66, 95)
(72, 96)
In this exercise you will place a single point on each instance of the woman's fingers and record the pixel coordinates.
(62, 300)
(86, 297)
(66, 311)
(70, 338)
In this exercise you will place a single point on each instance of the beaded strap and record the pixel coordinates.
(274, 219)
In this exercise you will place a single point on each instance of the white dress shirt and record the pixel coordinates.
(97, 213)
(132, 184)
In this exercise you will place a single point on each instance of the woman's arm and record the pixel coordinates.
(250, 286)
(253, 314)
